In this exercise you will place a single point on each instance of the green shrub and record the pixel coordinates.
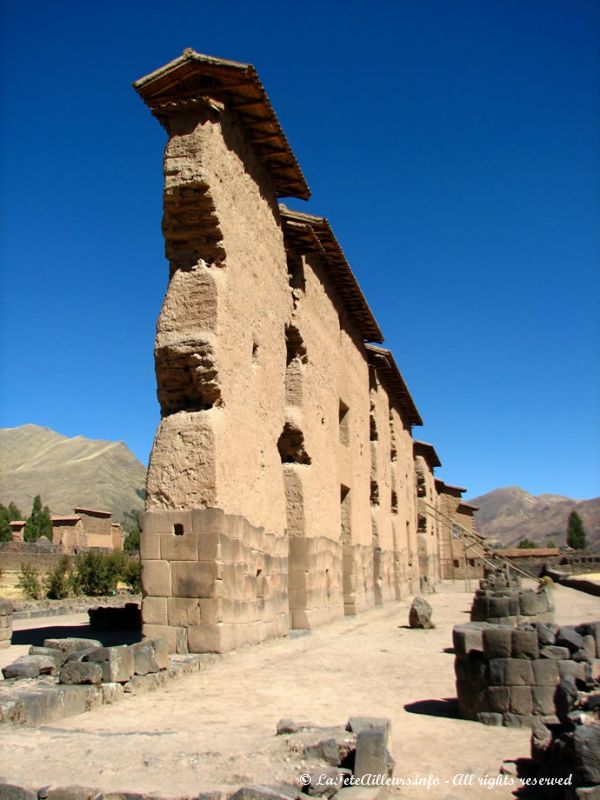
(132, 575)
(59, 582)
(97, 573)
(29, 582)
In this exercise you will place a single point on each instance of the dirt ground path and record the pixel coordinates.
(215, 729)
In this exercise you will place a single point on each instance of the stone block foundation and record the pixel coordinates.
(212, 581)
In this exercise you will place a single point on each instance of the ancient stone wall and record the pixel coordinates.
(509, 676)
(501, 600)
(6, 617)
(268, 503)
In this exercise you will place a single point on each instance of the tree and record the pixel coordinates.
(132, 531)
(576, 536)
(8, 515)
(38, 523)
(526, 544)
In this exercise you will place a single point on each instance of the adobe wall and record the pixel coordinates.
(427, 525)
(267, 505)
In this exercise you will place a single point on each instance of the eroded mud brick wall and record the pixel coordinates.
(269, 502)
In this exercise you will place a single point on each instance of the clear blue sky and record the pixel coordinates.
(453, 145)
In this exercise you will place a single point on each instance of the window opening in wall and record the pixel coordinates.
(455, 563)
(345, 507)
(374, 493)
(421, 523)
(394, 502)
(295, 268)
(471, 562)
(295, 348)
(291, 446)
(344, 421)
(373, 429)
(455, 532)
(178, 529)
(255, 349)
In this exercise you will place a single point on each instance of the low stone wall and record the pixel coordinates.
(508, 676)
(69, 676)
(500, 599)
(6, 618)
(570, 752)
(350, 762)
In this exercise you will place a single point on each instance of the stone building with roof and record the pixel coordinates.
(282, 484)
(86, 528)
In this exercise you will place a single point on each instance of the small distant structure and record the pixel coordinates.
(17, 530)
(85, 529)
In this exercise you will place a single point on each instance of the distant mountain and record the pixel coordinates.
(68, 472)
(508, 515)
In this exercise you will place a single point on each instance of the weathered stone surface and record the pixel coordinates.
(59, 656)
(525, 644)
(9, 791)
(260, 792)
(326, 781)
(528, 606)
(541, 739)
(566, 698)
(542, 700)
(567, 636)
(553, 651)
(571, 669)
(117, 663)
(71, 792)
(326, 750)
(371, 753)
(24, 667)
(546, 633)
(489, 718)
(499, 698)
(420, 613)
(520, 700)
(497, 642)
(71, 643)
(519, 672)
(468, 637)
(545, 672)
(150, 655)
(75, 672)
(359, 724)
(289, 726)
(587, 753)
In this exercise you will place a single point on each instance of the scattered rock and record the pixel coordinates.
(420, 613)
(81, 672)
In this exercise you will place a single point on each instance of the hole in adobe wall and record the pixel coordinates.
(191, 227)
(178, 529)
(295, 269)
(394, 503)
(373, 429)
(187, 378)
(294, 344)
(291, 446)
(258, 572)
(344, 423)
(255, 351)
(374, 493)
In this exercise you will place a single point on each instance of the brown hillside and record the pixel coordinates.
(68, 472)
(510, 514)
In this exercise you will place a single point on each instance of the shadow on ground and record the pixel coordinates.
(447, 707)
(36, 636)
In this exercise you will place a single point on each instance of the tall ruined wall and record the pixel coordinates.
(427, 525)
(404, 522)
(383, 491)
(220, 348)
(268, 505)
